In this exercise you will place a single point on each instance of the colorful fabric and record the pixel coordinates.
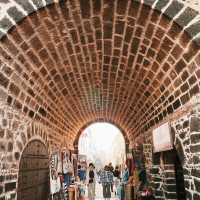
(82, 174)
(67, 179)
(125, 176)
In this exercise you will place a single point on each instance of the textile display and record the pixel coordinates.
(67, 165)
(55, 169)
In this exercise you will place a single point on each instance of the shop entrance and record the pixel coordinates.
(33, 181)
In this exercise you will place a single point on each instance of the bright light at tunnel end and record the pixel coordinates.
(102, 142)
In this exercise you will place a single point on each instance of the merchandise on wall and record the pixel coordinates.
(67, 166)
(55, 170)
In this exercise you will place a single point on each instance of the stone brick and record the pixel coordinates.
(161, 4)
(10, 186)
(15, 14)
(10, 147)
(195, 124)
(173, 9)
(85, 9)
(3, 80)
(195, 90)
(26, 5)
(180, 66)
(170, 195)
(195, 148)
(5, 24)
(185, 17)
(14, 89)
(193, 29)
(38, 3)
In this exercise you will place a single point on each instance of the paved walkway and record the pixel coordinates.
(99, 193)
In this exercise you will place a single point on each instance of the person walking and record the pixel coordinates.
(91, 181)
(111, 169)
(116, 175)
(106, 179)
(124, 181)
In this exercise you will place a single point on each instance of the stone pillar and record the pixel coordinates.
(194, 180)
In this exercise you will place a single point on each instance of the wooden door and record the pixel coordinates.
(33, 181)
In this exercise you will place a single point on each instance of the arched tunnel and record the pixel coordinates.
(65, 64)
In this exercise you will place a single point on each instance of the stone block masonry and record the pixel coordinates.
(185, 129)
(187, 140)
(70, 63)
(65, 64)
(16, 130)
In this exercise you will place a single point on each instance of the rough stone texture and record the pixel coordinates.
(185, 129)
(73, 65)
(16, 130)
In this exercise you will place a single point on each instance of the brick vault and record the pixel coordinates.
(65, 64)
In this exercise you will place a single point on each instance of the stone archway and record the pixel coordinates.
(76, 141)
(34, 172)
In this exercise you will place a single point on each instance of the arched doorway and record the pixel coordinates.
(103, 142)
(33, 181)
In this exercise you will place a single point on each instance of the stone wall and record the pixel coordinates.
(16, 131)
(161, 171)
(187, 140)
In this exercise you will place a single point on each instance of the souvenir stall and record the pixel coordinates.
(62, 180)
(69, 175)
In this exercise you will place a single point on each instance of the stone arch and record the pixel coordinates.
(126, 140)
(33, 138)
(33, 131)
(17, 11)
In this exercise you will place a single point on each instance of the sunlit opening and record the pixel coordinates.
(102, 143)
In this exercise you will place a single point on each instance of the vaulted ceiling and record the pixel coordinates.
(122, 61)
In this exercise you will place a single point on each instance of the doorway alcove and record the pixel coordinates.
(34, 172)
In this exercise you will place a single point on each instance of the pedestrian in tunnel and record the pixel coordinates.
(117, 177)
(111, 169)
(106, 179)
(124, 181)
(91, 181)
